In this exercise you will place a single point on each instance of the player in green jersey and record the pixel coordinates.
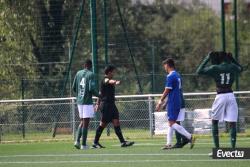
(223, 70)
(84, 86)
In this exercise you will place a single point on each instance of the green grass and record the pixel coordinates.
(145, 153)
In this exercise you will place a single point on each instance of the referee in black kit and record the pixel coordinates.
(109, 111)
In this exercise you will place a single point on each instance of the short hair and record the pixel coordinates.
(169, 62)
(218, 57)
(109, 68)
(88, 63)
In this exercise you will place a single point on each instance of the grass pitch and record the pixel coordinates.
(145, 153)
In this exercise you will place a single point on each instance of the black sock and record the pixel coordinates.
(178, 136)
(215, 132)
(98, 134)
(118, 132)
(233, 134)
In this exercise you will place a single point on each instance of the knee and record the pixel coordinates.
(232, 124)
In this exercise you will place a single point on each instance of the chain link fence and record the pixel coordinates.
(36, 119)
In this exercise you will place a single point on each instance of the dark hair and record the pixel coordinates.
(88, 63)
(218, 57)
(109, 68)
(169, 62)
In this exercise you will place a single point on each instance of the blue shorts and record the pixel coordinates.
(173, 115)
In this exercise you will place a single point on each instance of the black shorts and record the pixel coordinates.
(109, 112)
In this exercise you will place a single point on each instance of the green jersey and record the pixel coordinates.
(223, 74)
(84, 86)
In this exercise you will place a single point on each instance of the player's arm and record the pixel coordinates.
(97, 105)
(202, 67)
(93, 87)
(239, 67)
(112, 81)
(163, 96)
(168, 88)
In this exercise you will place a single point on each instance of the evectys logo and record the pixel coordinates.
(230, 153)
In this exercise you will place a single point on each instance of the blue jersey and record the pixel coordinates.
(173, 82)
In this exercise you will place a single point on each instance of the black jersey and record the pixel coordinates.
(107, 91)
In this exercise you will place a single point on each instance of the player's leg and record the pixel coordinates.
(117, 127)
(181, 140)
(231, 115)
(178, 137)
(118, 132)
(88, 112)
(105, 119)
(98, 134)
(172, 117)
(169, 139)
(215, 133)
(79, 130)
(233, 133)
(180, 129)
(85, 132)
(218, 109)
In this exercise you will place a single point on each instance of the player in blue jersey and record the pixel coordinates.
(173, 91)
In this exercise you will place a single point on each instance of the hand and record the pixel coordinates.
(97, 107)
(158, 107)
(117, 82)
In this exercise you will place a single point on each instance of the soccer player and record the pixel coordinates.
(84, 86)
(173, 91)
(225, 106)
(109, 111)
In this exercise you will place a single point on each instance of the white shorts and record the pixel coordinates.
(86, 111)
(181, 115)
(225, 108)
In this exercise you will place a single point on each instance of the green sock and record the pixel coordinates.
(79, 134)
(215, 132)
(233, 135)
(178, 138)
(84, 136)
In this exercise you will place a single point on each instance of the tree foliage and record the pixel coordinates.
(35, 37)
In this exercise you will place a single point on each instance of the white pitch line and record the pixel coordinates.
(129, 161)
(89, 155)
(162, 143)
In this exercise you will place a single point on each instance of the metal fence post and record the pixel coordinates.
(73, 117)
(150, 112)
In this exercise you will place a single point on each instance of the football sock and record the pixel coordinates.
(170, 135)
(178, 136)
(98, 134)
(79, 134)
(181, 130)
(118, 132)
(233, 134)
(215, 132)
(84, 136)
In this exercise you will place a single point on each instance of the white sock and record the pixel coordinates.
(181, 130)
(170, 135)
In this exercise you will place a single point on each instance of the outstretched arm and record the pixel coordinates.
(112, 81)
